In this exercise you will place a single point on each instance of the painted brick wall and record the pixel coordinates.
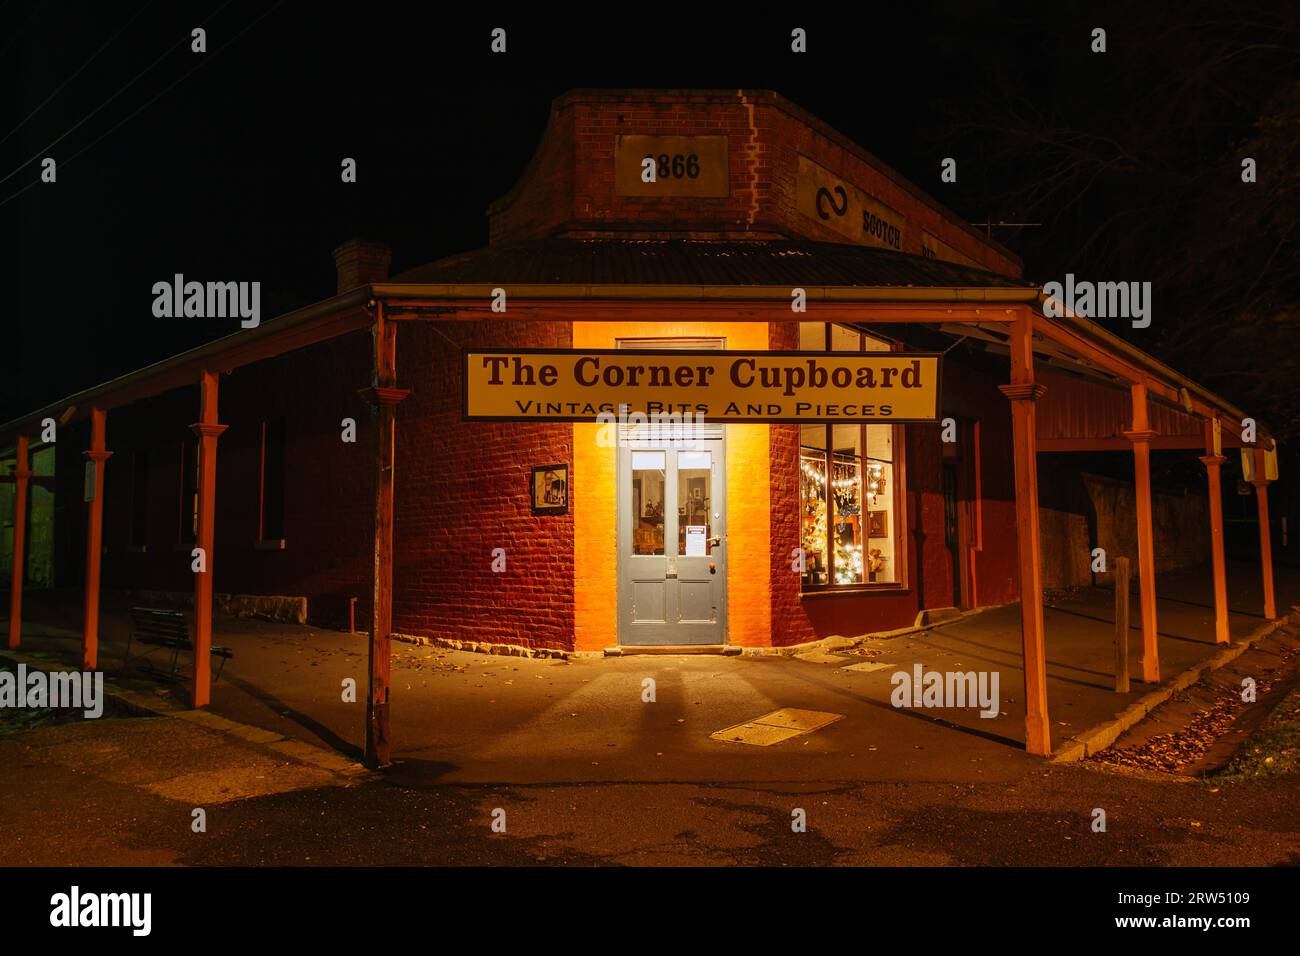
(462, 489)
(972, 394)
(569, 187)
(790, 625)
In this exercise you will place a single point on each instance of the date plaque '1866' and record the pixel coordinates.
(683, 166)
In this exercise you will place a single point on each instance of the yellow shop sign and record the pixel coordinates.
(575, 385)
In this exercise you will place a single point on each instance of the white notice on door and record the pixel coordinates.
(695, 535)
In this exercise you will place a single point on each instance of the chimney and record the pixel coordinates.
(359, 261)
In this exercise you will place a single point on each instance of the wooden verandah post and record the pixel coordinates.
(1213, 462)
(1260, 481)
(98, 455)
(1140, 436)
(22, 473)
(384, 397)
(1023, 393)
(208, 431)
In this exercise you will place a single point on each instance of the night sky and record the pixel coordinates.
(232, 171)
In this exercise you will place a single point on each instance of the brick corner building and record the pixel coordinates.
(649, 224)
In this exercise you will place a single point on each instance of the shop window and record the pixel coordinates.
(139, 499)
(850, 501)
(271, 523)
(189, 502)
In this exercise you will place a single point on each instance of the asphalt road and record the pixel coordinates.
(123, 791)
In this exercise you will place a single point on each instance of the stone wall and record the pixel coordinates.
(1079, 512)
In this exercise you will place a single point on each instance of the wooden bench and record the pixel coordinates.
(167, 627)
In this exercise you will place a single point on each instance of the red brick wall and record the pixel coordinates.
(569, 186)
(967, 394)
(543, 197)
(327, 482)
(462, 489)
(157, 425)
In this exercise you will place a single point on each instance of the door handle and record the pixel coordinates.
(716, 542)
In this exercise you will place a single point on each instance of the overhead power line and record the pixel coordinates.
(78, 73)
(205, 59)
(129, 84)
(30, 18)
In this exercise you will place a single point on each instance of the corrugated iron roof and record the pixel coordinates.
(700, 262)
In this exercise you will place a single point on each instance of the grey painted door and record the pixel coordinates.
(672, 535)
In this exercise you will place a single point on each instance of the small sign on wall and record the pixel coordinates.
(88, 489)
(550, 491)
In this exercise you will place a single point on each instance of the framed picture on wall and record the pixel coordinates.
(878, 524)
(550, 490)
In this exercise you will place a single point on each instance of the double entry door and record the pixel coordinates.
(672, 534)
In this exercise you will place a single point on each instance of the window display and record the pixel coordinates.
(849, 498)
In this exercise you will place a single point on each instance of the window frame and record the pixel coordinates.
(900, 523)
(272, 541)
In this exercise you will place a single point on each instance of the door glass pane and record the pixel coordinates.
(694, 499)
(648, 502)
